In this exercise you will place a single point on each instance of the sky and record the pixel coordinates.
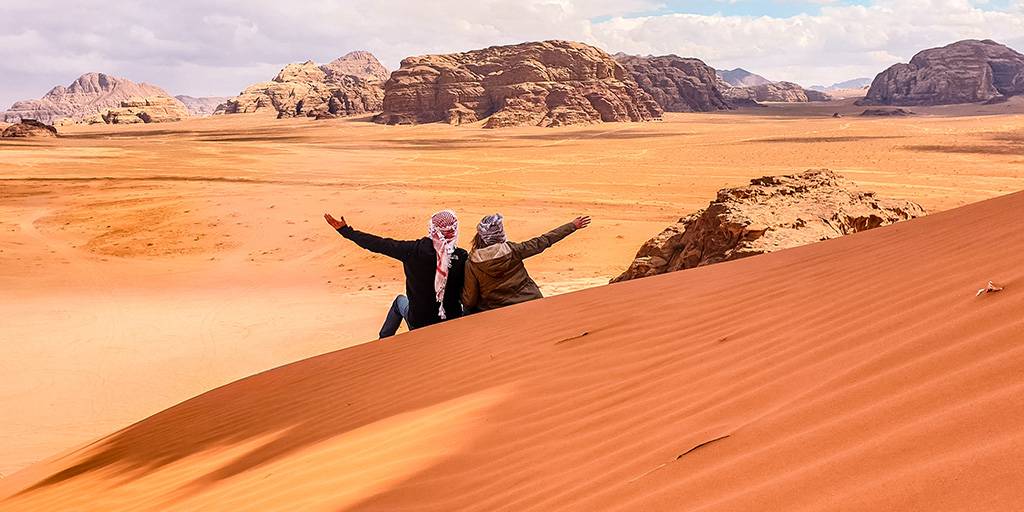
(218, 47)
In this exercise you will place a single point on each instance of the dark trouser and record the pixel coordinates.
(399, 311)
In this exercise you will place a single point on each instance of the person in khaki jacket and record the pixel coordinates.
(495, 274)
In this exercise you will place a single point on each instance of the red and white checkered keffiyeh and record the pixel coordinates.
(444, 233)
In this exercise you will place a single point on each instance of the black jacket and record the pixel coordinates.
(420, 262)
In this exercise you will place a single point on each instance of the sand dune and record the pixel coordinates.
(856, 374)
(143, 265)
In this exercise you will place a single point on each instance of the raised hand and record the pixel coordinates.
(581, 222)
(335, 223)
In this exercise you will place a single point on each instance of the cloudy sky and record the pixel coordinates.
(217, 47)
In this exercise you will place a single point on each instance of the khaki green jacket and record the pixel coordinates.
(496, 276)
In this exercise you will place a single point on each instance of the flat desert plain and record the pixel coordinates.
(144, 265)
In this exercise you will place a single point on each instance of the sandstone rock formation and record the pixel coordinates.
(359, 64)
(29, 128)
(782, 92)
(202, 106)
(964, 72)
(772, 213)
(549, 83)
(740, 77)
(157, 109)
(305, 90)
(678, 84)
(87, 96)
(879, 112)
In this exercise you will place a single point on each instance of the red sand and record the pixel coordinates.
(856, 374)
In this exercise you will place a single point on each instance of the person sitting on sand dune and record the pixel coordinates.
(495, 275)
(434, 268)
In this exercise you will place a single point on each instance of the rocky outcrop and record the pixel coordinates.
(964, 72)
(90, 94)
(772, 213)
(678, 84)
(157, 109)
(878, 112)
(780, 92)
(740, 77)
(29, 128)
(550, 83)
(359, 64)
(201, 107)
(305, 90)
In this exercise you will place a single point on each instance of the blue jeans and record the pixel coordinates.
(399, 311)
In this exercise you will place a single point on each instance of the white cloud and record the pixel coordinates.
(217, 47)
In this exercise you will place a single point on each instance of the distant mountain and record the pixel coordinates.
(856, 83)
(90, 94)
(203, 106)
(740, 77)
(360, 64)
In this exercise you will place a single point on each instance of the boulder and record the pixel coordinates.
(29, 128)
(359, 64)
(549, 83)
(678, 84)
(306, 90)
(202, 106)
(968, 71)
(772, 213)
(90, 94)
(157, 109)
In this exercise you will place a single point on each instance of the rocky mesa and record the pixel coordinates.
(967, 71)
(90, 94)
(779, 92)
(156, 109)
(678, 84)
(772, 213)
(306, 90)
(548, 83)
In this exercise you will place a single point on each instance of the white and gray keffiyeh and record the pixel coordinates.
(443, 231)
(492, 229)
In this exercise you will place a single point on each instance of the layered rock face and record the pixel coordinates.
(157, 109)
(550, 83)
(782, 92)
(203, 106)
(964, 72)
(359, 64)
(678, 84)
(772, 213)
(29, 128)
(305, 90)
(87, 96)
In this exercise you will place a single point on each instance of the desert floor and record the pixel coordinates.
(144, 265)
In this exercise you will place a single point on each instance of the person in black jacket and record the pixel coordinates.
(434, 271)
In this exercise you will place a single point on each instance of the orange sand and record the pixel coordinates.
(855, 374)
(145, 265)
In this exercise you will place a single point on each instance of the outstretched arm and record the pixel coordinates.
(398, 249)
(535, 246)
